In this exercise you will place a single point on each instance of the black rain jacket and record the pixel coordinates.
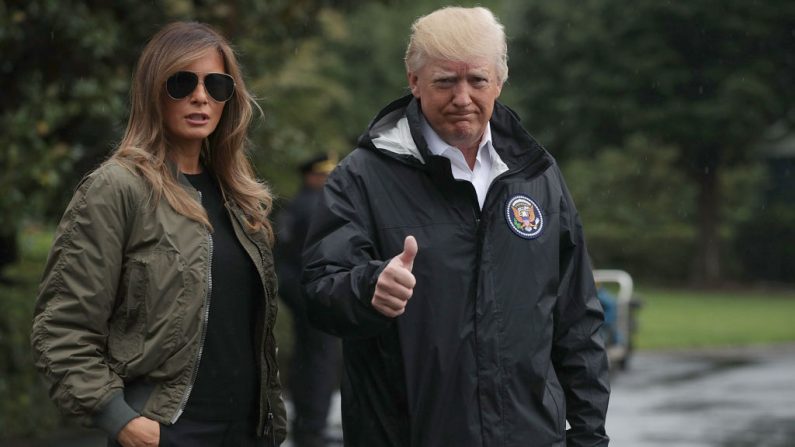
(499, 344)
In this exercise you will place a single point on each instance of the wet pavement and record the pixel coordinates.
(716, 398)
(741, 397)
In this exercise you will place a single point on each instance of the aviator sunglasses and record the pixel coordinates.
(220, 86)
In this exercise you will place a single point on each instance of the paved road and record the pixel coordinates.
(724, 398)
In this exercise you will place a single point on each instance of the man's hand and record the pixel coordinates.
(140, 432)
(396, 282)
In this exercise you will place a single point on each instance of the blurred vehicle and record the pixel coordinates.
(615, 290)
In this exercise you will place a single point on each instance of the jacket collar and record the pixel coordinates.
(185, 183)
(174, 170)
(396, 132)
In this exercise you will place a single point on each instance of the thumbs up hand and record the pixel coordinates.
(396, 283)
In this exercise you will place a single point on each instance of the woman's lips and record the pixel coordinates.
(197, 119)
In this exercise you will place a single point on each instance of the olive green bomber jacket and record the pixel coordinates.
(122, 307)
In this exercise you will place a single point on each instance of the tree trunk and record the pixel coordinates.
(707, 268)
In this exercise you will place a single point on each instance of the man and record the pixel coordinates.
(314, 370)
(448, 254)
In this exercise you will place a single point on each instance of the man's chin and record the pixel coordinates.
(464, 137)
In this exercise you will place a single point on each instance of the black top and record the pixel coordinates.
(226, 387)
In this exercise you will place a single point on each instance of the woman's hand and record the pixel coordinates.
(140, 432)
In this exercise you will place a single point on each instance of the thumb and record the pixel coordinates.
(409, 252)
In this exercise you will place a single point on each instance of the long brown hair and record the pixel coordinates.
(145, 144)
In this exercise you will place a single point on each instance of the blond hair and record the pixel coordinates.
(458, 34)
(145, 144)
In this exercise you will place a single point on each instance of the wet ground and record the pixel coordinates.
(716, 398)
(724, 398)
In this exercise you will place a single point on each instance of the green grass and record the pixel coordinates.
(688, 319)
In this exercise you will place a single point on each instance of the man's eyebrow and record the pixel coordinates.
(482, 72)
(443, 74)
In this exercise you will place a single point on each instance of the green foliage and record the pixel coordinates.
(635, 207)
(68, 63)
(689, 319)
(707, 78)
(25, 408)
(703, 76)
(302, 99)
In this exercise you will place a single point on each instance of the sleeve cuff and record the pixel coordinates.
(115, 415)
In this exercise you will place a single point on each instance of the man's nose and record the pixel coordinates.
(461, 94)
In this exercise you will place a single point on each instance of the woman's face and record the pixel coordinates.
(193, 118)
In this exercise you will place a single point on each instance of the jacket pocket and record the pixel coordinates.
(150, 308)
(128, 323)
(555, 404)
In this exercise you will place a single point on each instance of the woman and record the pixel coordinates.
(155, 315)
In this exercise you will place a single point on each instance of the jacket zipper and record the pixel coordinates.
(205, 321)
(480, 236)
(479, 241)
(268, 425)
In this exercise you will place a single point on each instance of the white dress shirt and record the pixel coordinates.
(485, 169)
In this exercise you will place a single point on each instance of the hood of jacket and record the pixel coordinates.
(395, 132)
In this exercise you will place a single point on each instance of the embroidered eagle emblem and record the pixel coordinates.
(524, 217)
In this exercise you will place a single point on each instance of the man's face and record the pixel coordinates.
(457, 98)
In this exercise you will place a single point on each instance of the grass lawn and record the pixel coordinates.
(686, 319)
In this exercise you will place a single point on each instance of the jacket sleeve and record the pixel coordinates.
(578, 352)
(341, 261)
(76, 299)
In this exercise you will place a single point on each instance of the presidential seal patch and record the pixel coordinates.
(524, 216)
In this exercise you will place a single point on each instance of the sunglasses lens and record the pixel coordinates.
(220, 86)
(181, 84)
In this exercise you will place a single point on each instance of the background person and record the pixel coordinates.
(315, 366)
(155, 315)
(448, 254)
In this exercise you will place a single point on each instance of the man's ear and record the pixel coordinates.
(413, 84)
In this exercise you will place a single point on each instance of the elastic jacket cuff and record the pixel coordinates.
(115, 415)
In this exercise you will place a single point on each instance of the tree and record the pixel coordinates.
(635, 194)
(68, 67)
(706, 77)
